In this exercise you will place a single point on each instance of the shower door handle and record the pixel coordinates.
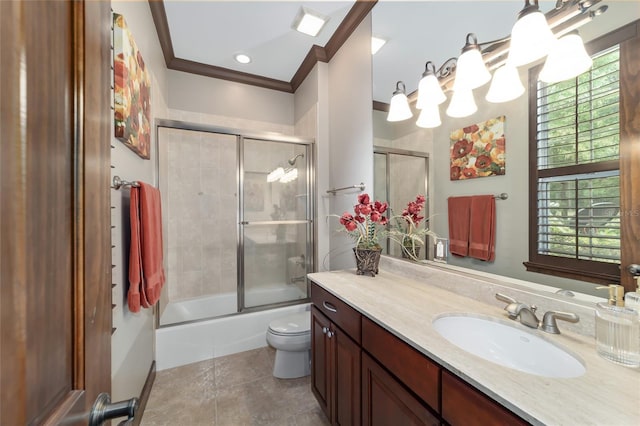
(244, 222)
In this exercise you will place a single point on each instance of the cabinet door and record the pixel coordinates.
(386, 402)
(347, 379)
(478, 409)
(321, 360)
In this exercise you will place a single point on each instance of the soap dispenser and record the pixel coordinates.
(632, 298)
(617, 329)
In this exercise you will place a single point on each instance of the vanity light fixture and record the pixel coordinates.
(462, 103)
(429, 116)
(399, 109)
(289, 175)
(471, 70)
(429, 89)
(531, 37)
(309, 21)
(505, 85)
(567, 59)
(376, 44)
(242, 58)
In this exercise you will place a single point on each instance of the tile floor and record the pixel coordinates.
(234, 390)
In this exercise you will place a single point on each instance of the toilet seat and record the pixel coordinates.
(292, 325)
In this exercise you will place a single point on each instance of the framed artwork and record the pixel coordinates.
(478, 150)
(132, 86)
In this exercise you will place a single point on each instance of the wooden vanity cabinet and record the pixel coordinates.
(363, 374)
(336, 357)
(464, 405)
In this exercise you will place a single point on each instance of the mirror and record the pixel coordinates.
(417, 32)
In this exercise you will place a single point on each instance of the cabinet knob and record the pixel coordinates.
(325, 330)
(330, 334)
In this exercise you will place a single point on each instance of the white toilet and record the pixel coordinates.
(291, 337)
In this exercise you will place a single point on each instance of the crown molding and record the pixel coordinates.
(356, 14)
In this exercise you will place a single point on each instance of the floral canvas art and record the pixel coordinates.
(132, 88)
(478, 150)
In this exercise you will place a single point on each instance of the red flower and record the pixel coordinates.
(420, 199)
(351, 226)
(365, 209)
(383, 221)
(380, 207)
(469, 173)
(345, 218)
(461, 148)
(483, 161)
(375, 216)
(360, 219)
(363, 199)
(471, 129)
(455, 172)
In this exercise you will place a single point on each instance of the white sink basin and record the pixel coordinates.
(509, 346)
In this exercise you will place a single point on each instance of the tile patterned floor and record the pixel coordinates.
(235, 390)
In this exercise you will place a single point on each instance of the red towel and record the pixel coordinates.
(482, 228)
(146, 273)
(459, 210)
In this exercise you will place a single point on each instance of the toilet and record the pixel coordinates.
(291, 337)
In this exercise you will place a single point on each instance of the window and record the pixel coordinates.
(575, 199)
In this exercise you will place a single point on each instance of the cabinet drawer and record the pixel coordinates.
(411, 367)
(478, 409)
(341, 314)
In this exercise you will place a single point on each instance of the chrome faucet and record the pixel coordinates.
(516, 310)
(549, 324)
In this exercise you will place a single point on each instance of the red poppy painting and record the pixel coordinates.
(132, 86)
(478, 150)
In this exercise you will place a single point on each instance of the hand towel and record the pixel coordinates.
(482, 227)
(459, 211)
(146, 272)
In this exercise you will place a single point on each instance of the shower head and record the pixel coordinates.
(292, 161)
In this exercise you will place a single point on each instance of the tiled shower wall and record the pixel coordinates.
(198, 183)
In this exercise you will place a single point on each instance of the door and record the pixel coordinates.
(55, 292)
(276, 227)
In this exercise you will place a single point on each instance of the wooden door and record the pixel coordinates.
(321, 360)
(386, 402)
(55, 288)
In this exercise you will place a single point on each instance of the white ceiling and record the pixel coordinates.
(212, 32)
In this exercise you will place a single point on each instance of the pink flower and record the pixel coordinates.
(375, 216)
(380, 207)
(363, 199)
(351, 226)
(365, 209)
(360, 219)
(346, 218)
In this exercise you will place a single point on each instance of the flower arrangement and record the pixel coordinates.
(406, 229)
(367, 223)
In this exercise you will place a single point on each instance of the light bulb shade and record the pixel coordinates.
(531, 38)
(505, 86)
(471, 71)
(567, 59)
(429, 116)
(462, 104)
(289, 175)
(429, 90)
(399, 109)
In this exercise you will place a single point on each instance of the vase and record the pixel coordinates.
(410, 252)
(367, 261)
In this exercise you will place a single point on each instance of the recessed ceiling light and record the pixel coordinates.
(376, 44)
(309, 22)
(242, 58)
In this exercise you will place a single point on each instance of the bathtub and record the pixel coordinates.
(183, 344)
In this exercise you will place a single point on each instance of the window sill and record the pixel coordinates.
(559, 271)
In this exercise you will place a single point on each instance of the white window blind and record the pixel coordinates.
(578, 207)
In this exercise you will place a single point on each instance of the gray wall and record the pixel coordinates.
(351, 132)
(133, 341)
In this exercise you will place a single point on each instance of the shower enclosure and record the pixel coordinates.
(237, 220)
(400, 175)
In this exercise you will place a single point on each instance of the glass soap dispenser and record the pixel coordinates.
(617, 329)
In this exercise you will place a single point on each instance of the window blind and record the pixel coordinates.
(578, 209)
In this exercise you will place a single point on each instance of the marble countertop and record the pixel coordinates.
(607, 394)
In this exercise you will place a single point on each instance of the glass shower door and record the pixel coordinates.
(275, 221)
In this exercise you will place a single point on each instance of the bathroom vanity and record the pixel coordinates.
(376, 359)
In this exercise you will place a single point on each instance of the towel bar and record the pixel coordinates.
(361, 186)
(119, 183)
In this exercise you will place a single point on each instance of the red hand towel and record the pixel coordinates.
(146, 273)
(459, 210)
(482, 229)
